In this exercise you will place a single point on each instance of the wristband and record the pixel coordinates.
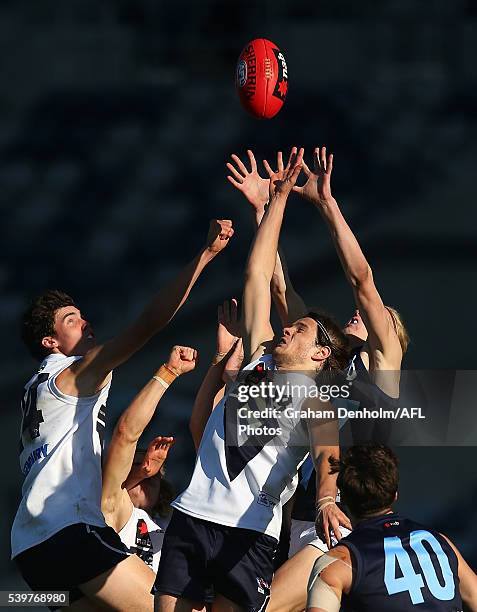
(323, 506)
(159, 380)
(166, 374)
(327, 497)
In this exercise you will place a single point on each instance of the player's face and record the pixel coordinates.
(145, 495)
(297, 346)
(73, 334)
(356, 328)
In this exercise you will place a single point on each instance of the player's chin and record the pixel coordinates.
(279, 349)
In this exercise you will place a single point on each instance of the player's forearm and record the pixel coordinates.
(288, 303)
(325, 482)
(140, 411)
(205, 400)
(352, 258)
(169, 299)
(263, 254)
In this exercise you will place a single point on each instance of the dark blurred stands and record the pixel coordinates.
(116, 119)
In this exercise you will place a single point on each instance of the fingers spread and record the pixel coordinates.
(235, 172)
(251, 157)
(266, 165)
(240, 164)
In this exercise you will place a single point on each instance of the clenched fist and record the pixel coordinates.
(182, 359)
(220, 231)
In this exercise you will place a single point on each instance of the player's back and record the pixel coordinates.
(399, 565)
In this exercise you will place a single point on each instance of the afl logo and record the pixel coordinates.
(241, 73)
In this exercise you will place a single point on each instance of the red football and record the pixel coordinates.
(262, 78)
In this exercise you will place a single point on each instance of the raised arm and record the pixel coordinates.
(115, 502)
(288, 302)
(317, 189)
(92, 370)
(324, 445)
(261, 264)
(212, 388)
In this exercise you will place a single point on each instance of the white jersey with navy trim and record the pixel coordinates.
(60, 457)
(143, 535)
(242, 485)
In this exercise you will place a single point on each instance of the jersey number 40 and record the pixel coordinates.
(410, 580)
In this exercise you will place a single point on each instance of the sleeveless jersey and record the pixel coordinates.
(363, 393)
(400, 566)
(246, 484)
(60, 457)
(143, 536)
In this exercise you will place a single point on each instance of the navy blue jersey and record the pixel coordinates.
(400, 566)
(363, 393)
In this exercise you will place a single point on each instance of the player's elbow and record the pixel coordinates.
(255, 276)
(361, 276)
(125, 433)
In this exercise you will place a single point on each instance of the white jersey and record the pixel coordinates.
(60, 457)
(143, 536)
(246, 485)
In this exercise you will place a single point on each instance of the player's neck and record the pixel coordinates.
(372, 515)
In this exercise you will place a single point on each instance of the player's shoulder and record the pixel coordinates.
(340, 552)
(264, 360)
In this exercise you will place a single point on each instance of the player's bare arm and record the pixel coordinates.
(467, 579)
(88, 375)
(212, 388)
(324, 443)
(383, 340)
(330, 578)
(115, 502)
(257, 330)
(255, 188)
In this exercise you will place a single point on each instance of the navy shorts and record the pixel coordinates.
(74, 555)
(200, 559)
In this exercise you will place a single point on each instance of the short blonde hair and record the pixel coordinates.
(399, 328)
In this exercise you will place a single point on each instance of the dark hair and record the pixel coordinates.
(328, 333)
(39, 320)
(368, 478)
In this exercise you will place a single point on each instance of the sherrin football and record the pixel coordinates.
(262, 78)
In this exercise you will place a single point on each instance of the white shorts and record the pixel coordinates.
(303, 533)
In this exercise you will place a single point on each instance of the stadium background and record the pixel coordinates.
(116, 120)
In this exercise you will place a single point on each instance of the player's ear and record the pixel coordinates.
(396, 497)
(321, 353)
(49, 343)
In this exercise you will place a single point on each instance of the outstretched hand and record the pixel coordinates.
(220, 232)
(156, 454)
(317, 188)
(182, 359)
(228, 329)
(249, 182)
(284, 178)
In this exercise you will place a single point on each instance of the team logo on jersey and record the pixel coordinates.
(262, 586)
(143, 548)
(265, 499)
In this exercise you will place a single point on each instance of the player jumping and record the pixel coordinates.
(220, 543)
(60, 449)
